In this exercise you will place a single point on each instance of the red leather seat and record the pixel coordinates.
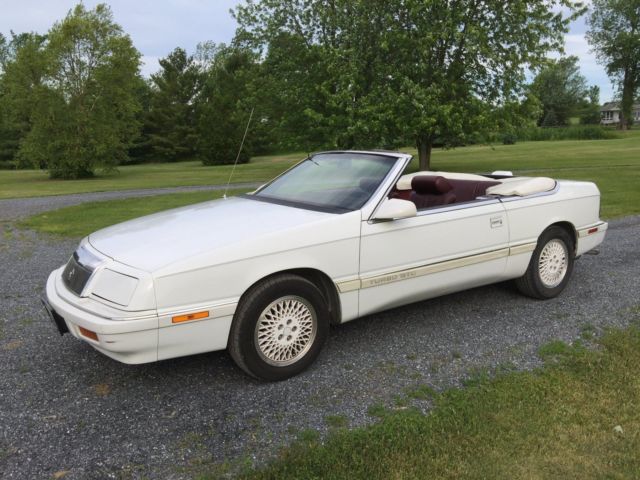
(430, 191)
(469, 190)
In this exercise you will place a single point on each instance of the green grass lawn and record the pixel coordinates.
(34, 183)
(556, 422)
(613, 164)
(80, 220)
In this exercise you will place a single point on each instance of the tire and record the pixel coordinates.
(551, 265)
(279, 327)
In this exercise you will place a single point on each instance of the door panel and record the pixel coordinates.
(439, 251)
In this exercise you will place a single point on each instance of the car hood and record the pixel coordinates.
(155, 241)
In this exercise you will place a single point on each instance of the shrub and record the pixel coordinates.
(574, 132)
(509, 139)
(7, 165)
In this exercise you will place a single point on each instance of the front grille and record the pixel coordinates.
(75, 275)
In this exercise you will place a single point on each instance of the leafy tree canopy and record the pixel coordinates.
(561, 89)
(171, 120)
(412, 69)
(22, 64)
(614, 34)
(83, 111)
(225, 105)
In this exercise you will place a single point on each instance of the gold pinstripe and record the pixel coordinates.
(408, 273)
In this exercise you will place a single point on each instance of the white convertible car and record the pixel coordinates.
(338, 236)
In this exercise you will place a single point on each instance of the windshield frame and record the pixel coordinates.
(395, 159)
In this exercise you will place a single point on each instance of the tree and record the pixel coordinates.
(614, 34)
(288, 93)
(590, 111)
(4, 52)
(84, 110)
(426, 71)
(561, 89)
(171, 121)
(22, 63)
(141, 148)
(224, 110)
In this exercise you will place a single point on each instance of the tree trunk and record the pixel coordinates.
(424, 144)
(626, 109)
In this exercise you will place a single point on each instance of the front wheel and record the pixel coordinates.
(279, 328)
(551, 265)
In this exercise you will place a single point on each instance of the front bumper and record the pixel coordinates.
(129, 340)
(57, 320)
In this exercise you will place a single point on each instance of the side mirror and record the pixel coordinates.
(395, 209)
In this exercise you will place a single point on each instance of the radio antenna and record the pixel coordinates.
(246, 130)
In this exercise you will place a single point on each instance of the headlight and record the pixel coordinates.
(114, 287)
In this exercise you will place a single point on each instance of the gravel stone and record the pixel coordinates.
(66, 407)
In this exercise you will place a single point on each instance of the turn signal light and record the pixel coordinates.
(190, 316)
(89, 334)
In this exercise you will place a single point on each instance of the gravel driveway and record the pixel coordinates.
(66, 408)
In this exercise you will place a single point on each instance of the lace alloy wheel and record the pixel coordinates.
(285, 330)
(553, 263)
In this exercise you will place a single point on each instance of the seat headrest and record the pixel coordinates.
(430, 185)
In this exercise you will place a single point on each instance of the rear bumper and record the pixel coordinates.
(590, 237)
(131, 341)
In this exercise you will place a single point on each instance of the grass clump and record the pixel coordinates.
(336, 421)
(377, 410)
(555, 348)
(421, 392)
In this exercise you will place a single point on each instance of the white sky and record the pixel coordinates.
(157, 27)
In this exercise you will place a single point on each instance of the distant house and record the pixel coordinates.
(610, 113)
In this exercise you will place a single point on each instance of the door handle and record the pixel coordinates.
(496, 222)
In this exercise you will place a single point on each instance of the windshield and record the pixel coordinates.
(331, 181)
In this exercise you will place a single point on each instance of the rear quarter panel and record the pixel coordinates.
(576, 203)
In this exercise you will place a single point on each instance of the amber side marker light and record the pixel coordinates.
(190, 316)
(89, 334)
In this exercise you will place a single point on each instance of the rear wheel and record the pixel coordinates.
(279, 328)
(551, 265)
